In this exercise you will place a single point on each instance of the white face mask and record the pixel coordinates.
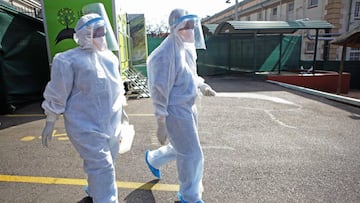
(187, 35)
(100, 43)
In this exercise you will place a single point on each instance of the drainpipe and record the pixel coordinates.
(349, 16)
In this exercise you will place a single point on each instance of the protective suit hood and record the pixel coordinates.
(186, 28)
(84, 30)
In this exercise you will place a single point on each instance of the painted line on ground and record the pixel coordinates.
(24, 115)
(83, 182)
(35, 115)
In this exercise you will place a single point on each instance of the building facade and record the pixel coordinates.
(343, 14)
(28, 7)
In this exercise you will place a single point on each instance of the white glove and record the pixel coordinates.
(124, 116)
(47, 133)
(161, 131)
(206, 90)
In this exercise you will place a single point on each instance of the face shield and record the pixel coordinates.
(89, 30)
(190, 30)
(99, 9)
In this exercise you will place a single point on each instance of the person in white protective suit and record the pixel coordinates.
(87, 89)
(174, 84)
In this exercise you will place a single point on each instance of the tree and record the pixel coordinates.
(157, 29)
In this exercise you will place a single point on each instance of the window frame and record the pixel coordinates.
(357, 10)
(313, 3)
(309, 47)
(274, 10)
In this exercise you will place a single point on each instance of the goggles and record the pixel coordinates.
(189, 25)
(99, 32)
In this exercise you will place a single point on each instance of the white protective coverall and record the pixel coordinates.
(174, 85)
(87, 89)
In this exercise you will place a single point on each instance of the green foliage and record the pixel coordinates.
(66, 16)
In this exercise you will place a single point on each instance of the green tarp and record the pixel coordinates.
(24, 69)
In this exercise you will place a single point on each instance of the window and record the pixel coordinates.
(259, 16)
(248, 18)
(274, 11)
(313, 3)
(354, 54)
(357, 10)
(291, 7)
(273, 14)
(309, 47)
(290, 11)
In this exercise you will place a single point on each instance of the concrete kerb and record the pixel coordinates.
(339, 98)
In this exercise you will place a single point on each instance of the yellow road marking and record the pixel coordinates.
(27, 138)
(34, 115)
(140, 115)
(74, 181)
(59, 135)
(23, 115)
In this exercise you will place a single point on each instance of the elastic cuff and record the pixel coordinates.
(51, 117)
(161, 118)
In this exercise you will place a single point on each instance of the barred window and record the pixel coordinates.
(354, 54)
(357, 9)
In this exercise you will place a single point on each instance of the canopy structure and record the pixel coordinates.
(254, 28)
(269, 27)
(209, 29)
(349, 39)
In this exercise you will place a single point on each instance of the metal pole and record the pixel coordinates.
(236, 10)
(280, 54)
(338, 89)
(315, 51)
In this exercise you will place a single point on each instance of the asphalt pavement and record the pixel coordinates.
(262, 142)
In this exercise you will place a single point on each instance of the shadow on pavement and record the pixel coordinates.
(24, 114)
(143, 194)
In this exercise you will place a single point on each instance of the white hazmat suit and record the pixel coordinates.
(86, 88)
(174, 85)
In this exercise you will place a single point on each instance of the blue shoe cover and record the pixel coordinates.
(154, 171)
(183, 201)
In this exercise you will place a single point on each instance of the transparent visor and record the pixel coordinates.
(190, 30)
(108, 32)
(98, 27)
